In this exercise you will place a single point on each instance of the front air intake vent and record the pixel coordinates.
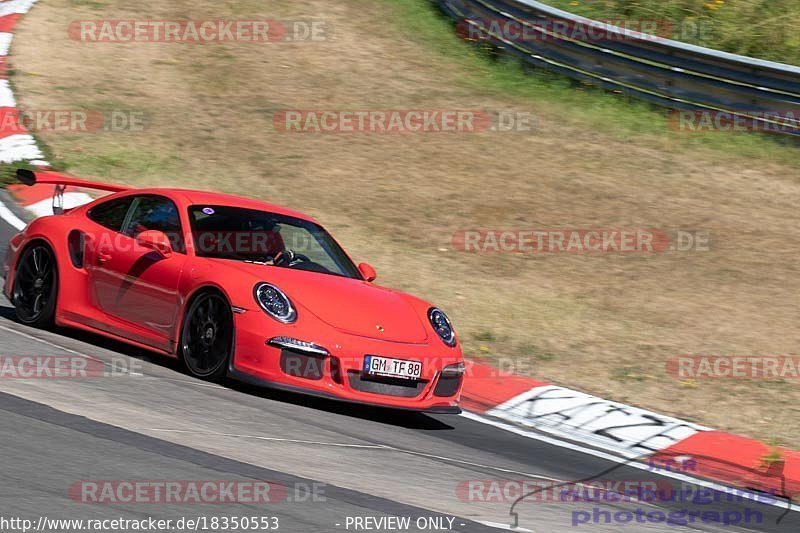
(405, 388)
(301, 365)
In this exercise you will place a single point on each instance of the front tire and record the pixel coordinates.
(35, 288)
(207, 336)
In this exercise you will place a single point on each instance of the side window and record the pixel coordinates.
(155, 213)
(111, 214)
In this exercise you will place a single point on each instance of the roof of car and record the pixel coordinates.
(194, 197)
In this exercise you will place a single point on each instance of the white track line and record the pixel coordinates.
(43, 341)
(389, 448)
(12, 219)
(68, 350)
(609, 457)
(507, 527)
(259, 437)
(385, 447)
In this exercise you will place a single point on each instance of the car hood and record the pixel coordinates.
(349, 305)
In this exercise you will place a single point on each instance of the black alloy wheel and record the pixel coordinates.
(207, 337)
(36, 286)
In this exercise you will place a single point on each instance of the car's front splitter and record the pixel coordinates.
(250, 379)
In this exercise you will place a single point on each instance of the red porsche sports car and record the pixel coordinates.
(233, 287)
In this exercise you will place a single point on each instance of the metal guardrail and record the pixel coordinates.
(665, 72)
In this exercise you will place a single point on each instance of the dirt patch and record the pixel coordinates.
(603, 323)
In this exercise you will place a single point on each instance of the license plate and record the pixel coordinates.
(396, 368)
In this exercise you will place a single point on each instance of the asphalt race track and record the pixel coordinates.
(148, 421)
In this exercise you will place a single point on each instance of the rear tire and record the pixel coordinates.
(35, 288)
(207, 336)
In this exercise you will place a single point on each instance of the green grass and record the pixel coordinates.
(92, 4)
(629, 373)
(765, 29)
(605, 111)
(129, 159)
(485, 336)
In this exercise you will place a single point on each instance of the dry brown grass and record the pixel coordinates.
(602, 323)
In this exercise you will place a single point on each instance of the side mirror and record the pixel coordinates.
(367, 272)
(155, 240)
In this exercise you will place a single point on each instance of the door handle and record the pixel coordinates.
(103, 257)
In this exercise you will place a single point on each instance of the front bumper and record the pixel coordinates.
(339, 375)
(244, 377)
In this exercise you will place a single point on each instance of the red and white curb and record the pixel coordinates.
(38, 200)
(612, 426)
(613, 429)
(16, 143)
(568, 418)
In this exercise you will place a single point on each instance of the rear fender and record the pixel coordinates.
(72, 286)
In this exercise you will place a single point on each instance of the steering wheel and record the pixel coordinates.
(289, 258)
(298, 258)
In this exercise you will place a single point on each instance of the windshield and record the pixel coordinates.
(262, 237)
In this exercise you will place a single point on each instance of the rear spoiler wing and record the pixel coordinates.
(61, 182)
(30, 178)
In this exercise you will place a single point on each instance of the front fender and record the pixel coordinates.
(199, 275)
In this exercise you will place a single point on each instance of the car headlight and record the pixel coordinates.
(442, 326)
(275, 303)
